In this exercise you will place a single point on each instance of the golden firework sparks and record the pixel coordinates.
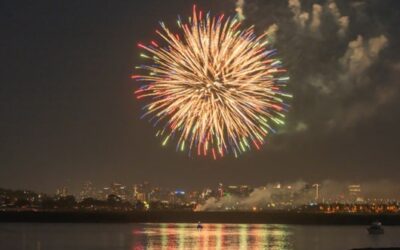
(213, 88)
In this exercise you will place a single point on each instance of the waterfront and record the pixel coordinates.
(43, 236)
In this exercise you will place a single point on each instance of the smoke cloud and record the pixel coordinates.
(240, 9)
(301, 193)
(258, 197)
(272, 31)
(360, 54)
(299, 16)
(316, 17)
(342, 21)
(332, 59)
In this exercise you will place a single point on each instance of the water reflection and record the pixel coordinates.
(212, 236)
(42, 236)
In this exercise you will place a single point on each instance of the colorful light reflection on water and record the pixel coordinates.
(81, 236)
(212, 236)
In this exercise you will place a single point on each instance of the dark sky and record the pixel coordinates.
(68, 114)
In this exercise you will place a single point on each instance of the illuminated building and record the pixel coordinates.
(142, 191)
(178, 197)
(355, 192)
(220, 190)
(87, 191)
(119, 190)
(105, 193)
(206, 194)
(245, 190)
(140, 197)
(316, 191)
(233, 190)
(62, 192)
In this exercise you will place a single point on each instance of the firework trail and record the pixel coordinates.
(213, 88)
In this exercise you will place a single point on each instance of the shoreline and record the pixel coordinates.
(236, 217)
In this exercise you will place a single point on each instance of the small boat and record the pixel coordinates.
(199, 226)
(376, 228)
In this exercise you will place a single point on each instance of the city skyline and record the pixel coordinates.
(322, 190)
(302, 197)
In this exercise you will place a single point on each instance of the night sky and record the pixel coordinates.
(68, 113)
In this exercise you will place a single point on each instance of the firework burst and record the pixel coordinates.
(212, 88)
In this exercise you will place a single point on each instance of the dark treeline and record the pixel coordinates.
(271, 217)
